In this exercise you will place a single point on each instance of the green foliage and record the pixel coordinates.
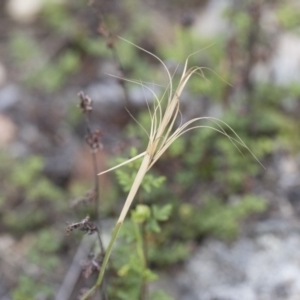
(261, 132)
(158, 214)
(44, 252)
(289, 16)
(25, 172)
(141, 213)
(59, 18)
(30, 202)
(217, 218)
(130, 258)
(185, 41)
(145, 122)
(166, 254)
(28, 288)
(160, 295)
(157, 233)
(19, 222)
(126, 175)
(27, 192)
(189, 223)
(162, 213)
(203, 159)
(196, 162)
(205, 82)
(53, 77)
(177, 148)
(23, 48)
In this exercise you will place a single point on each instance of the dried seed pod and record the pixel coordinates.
(85, 225)
(93, 139)
(85, 102)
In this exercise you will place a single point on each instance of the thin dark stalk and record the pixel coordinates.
(118, 63)
(93, 140)
(87, 121)
(96, 170)
(97, 185)
(103, 288)
(109, 38)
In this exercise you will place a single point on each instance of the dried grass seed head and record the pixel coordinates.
(163, 118)
(85, 225)
(93, 139)
(86, 103)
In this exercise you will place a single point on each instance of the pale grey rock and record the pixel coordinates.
(262, 265)
(210, 21)
(286, 62)
(10, 96)
(108, 96)
(26, 11)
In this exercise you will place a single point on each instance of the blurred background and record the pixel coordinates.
(234, 228)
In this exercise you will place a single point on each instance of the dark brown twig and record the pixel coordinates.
(92, 139)
(111, 45)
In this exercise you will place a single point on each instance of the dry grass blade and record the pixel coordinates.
(162, 125)
(123, 163)
(162, 135)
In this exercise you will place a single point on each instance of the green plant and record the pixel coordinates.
(288, 16)
(161, 136)
(29, 288)
(47, 244)
(23, 48)
(126, 176)
(53, 77)
(217, 218)
(25, 202)
(130, 259)
(27, 199)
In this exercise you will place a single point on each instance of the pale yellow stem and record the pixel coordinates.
(135, 186)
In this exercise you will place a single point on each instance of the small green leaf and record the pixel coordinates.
(127, 232)
(147, 187)
(160, 295)
(152, 225)
(162, 213)
(124, 270)
(141, 213)
(149, 275)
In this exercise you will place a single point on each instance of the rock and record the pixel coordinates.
(263, 265)
(10, 95)
(293, 196)
(285, 62)
(211, 22)
(108, 97)
(13, 254)
(60, 162)
(141, 95)
(288, 171)
(26, 11)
